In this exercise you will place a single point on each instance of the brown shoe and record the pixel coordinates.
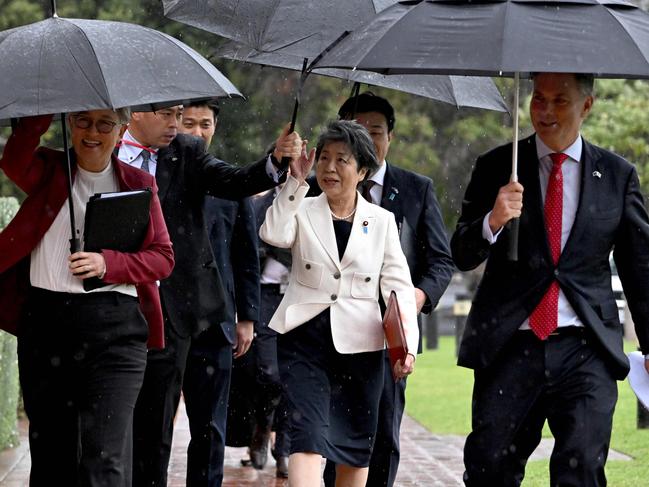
(282, 468)
(259, 448)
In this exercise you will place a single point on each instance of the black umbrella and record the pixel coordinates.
(609, 38)
(466, 91)
(66, 65)
(296, 27)
(299, 27)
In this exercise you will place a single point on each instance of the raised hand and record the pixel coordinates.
(301, 167)
(288, 145)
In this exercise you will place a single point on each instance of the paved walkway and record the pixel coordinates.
(428, 460)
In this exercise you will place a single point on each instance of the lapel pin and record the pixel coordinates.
(597, 174)
(174, 159)
(393, 194)
(365, 224)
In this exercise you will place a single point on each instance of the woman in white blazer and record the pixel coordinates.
(346, 253)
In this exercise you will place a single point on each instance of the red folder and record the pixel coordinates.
(394, 334)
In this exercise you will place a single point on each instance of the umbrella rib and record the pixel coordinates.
(38, 89)
(167, 38)
(103, 78)
(611, 12)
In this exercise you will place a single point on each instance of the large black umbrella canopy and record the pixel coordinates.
(609, 38)
(67, 65)
(461, 91)
(300, 27)
(63, 65)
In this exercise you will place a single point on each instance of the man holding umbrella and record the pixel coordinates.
(193, 296)
(543, 334)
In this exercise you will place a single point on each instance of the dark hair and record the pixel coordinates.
(585, 82)
(356, 137)
(212, 104)
(367, 102)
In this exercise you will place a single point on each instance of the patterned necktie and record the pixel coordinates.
(365, 190)
(146, 156)
(543, 319)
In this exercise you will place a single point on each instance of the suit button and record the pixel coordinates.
(368, 279)
(337, 275)
(308, 266)
(291, 198)
(334, 297)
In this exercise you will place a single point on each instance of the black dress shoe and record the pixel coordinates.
(282, 468)
(259, 448)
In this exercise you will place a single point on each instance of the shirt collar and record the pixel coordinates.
(573, 151)
(379, 176)
(131, 152)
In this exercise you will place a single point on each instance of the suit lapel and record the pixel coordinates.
(588, 164)
(391, 196)
(167, 165)
(362, 227)
(319, 216)
(533, 217)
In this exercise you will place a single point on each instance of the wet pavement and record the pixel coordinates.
(427, 460)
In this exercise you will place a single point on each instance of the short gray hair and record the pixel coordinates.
(123, 115)
(357, 139)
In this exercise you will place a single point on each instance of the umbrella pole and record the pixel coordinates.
(285, 160)
(355, 92)
(53, 3)
(515, 223)
(75, 244)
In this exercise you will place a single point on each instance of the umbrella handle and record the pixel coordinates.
(283, 166)
(514, 224)
(512, 250)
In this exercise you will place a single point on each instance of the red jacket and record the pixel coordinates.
(41, 174)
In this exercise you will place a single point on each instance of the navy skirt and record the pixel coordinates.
(333, 398)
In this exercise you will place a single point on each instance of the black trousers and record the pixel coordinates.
(206, 388)
(81, 360)
(384, 462)
(155, 410)
(564, 380)
(256, 396)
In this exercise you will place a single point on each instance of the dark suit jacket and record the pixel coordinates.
(42, 175)
(610, 216)
(283, 256)
(411, 198)
(233, 236)
(193, 295)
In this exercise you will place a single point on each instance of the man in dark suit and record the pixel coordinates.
(192, 297)
(543, 334)
(411, 198)
(206, 384)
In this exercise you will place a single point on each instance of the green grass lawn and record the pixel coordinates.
(439, 397)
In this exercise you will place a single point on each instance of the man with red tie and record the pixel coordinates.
(543, 334)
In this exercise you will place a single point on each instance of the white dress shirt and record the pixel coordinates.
(571, 191)
(49, 259)
(132, 155)
(376, 191)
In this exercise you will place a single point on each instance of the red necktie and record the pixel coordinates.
(543, 319)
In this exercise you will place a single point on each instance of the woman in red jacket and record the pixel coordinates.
(81, 354)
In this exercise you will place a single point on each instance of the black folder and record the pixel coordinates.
(115, 221)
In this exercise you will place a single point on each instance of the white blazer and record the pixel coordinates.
(373, 261)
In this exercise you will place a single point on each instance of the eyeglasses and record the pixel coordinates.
(102, 126)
